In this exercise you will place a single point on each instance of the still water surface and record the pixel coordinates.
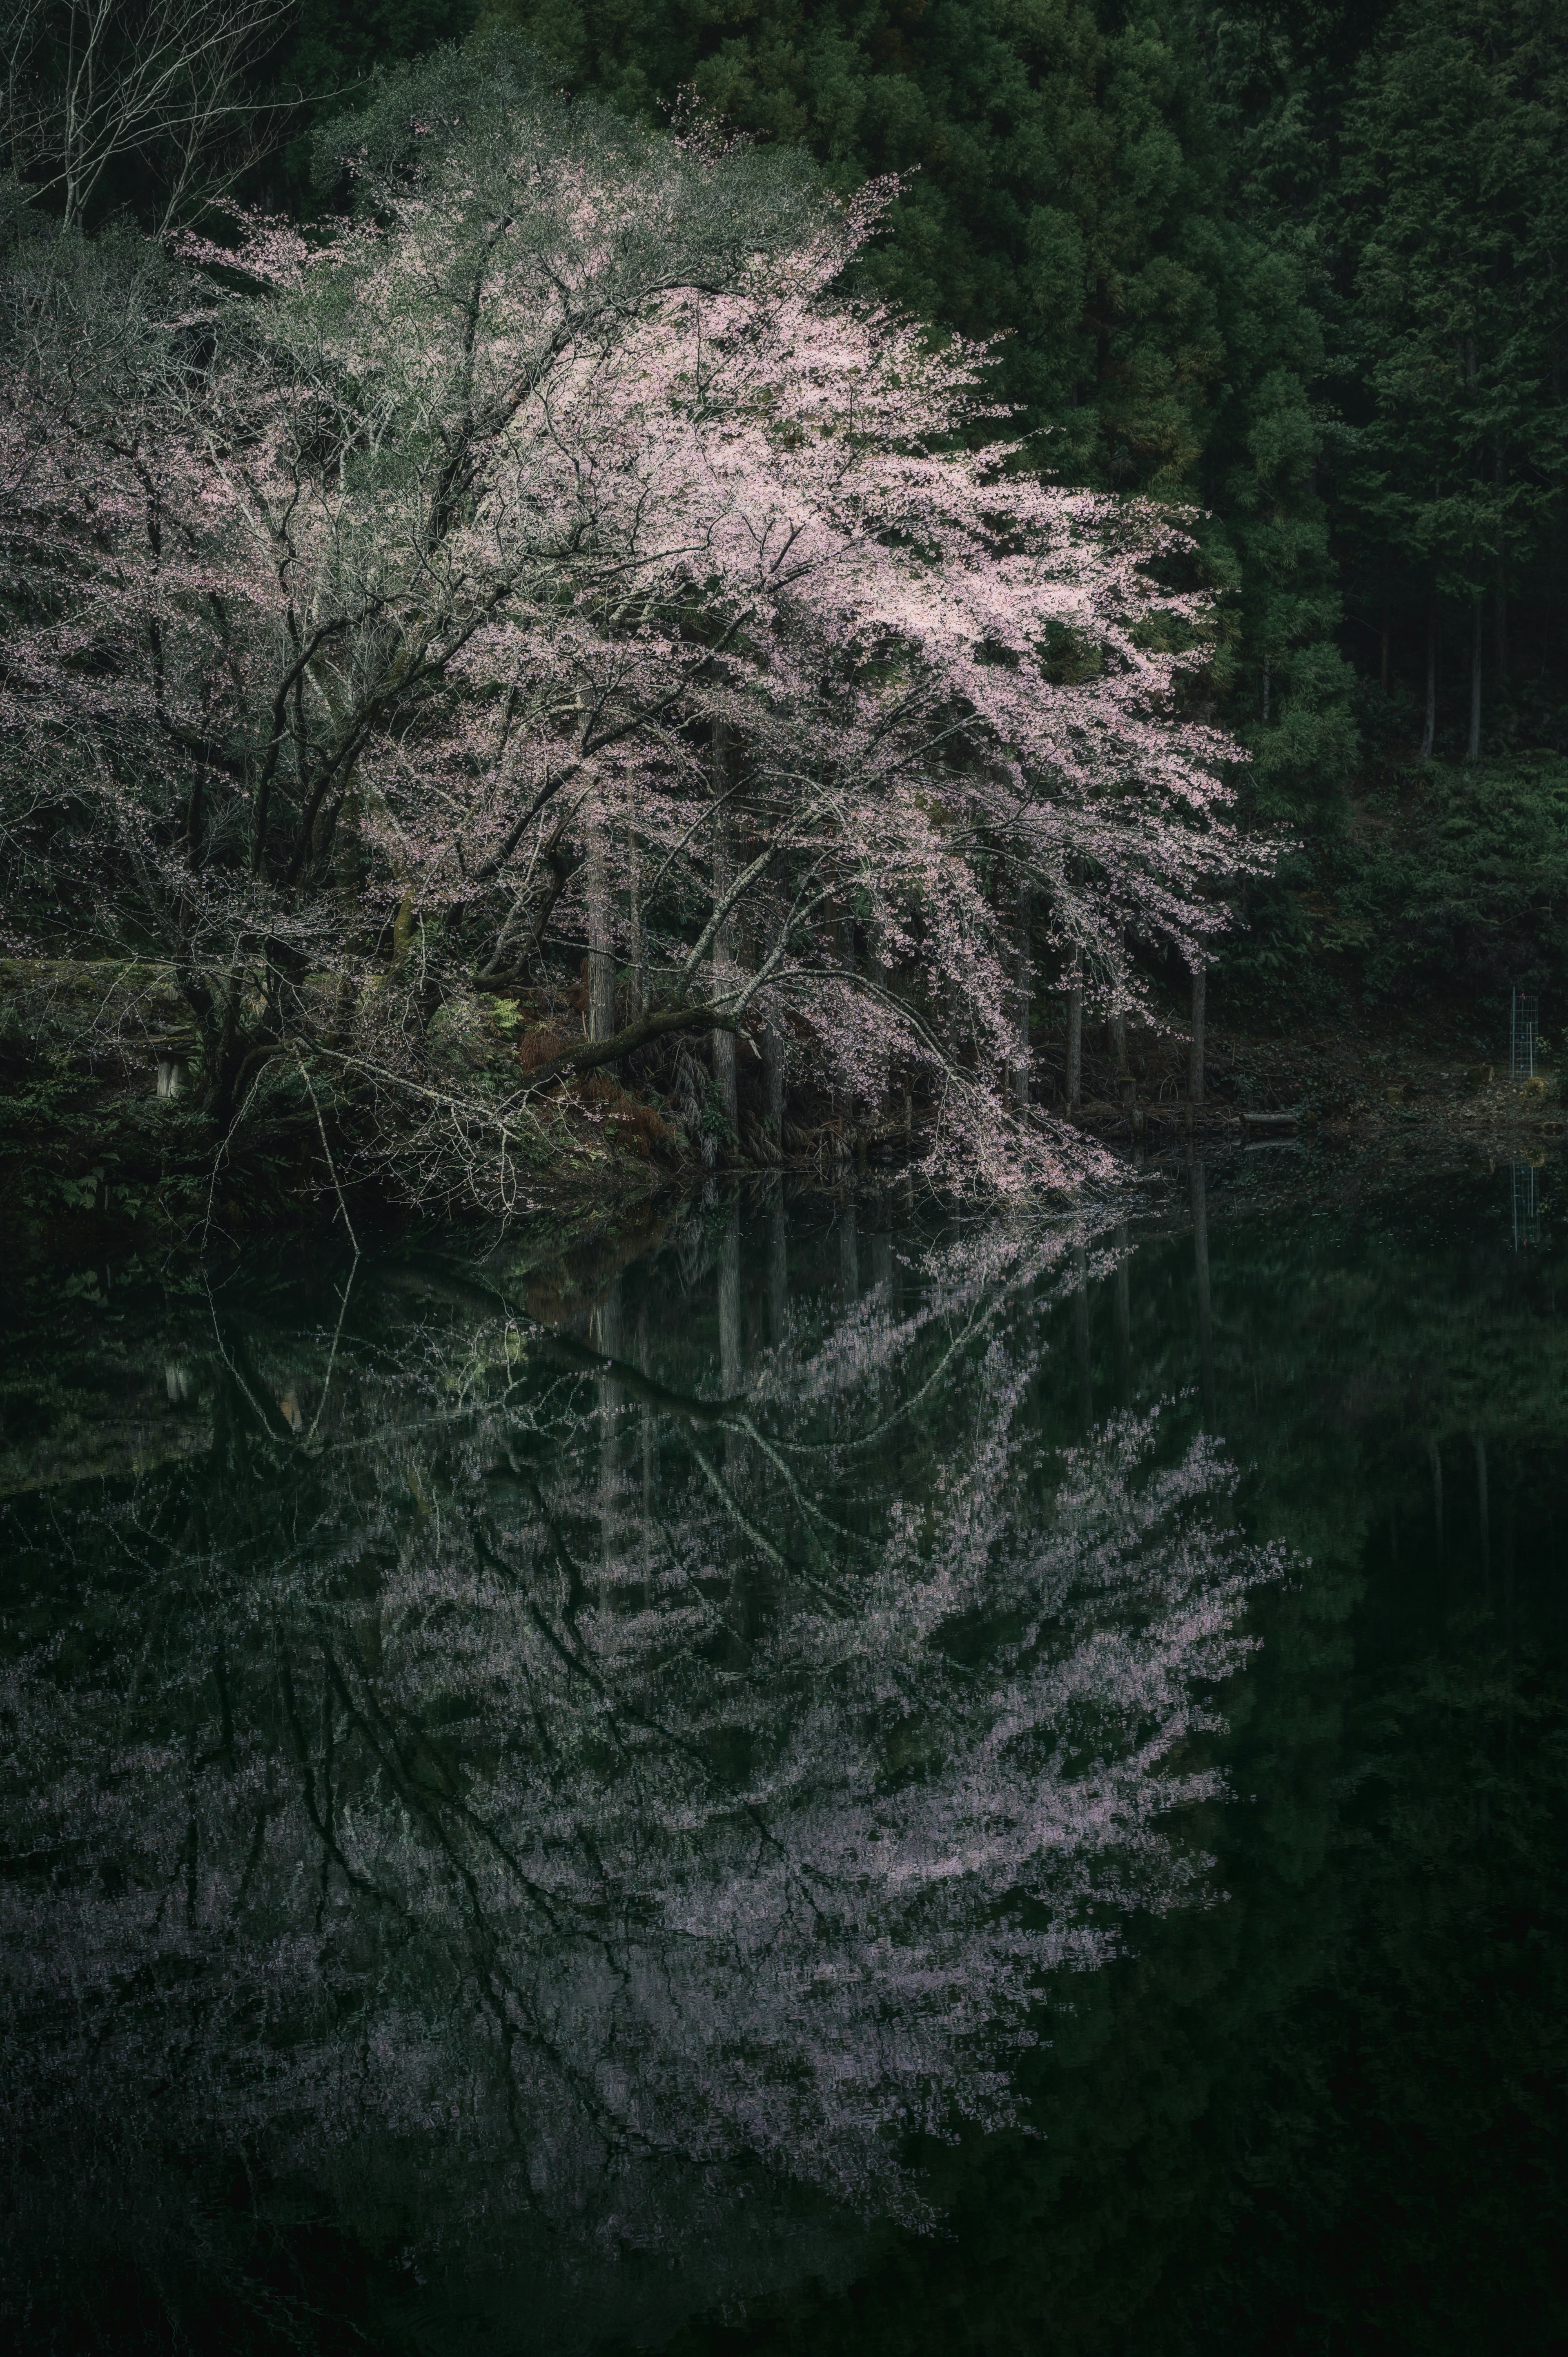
(843, 1784)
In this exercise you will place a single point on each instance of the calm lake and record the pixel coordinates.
(849, 1782)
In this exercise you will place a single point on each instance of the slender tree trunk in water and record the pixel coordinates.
(1267, 683)
(1075, 1035)
(1383, 650)
(1435, 1454)
(1473, 750)
(1429, 724)
(601, 951)
(1204, 1319)
(778, 1271)
(1024, 977)
(1123, 1320)
(1195, 1061)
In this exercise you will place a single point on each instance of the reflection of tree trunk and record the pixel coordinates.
(1080, 1330)
(1075, 1035)
(1483, 1508)
(1473, 750)
(1200, 1255)
(1123, 1321)
(731, 1342)
(1200, 1010)
(778, 1272)
(606, 1337)
(882, 1264)
(849, 1256)
(1435, 1454)
(732, 1349)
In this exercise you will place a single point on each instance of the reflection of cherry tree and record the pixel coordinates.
(590, 1786)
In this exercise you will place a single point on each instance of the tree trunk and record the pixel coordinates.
(1024, 980)
(1194, 1064)
(1429, 724)
(773, 1083)
(1500, 617)
(1473, 749)
(1075, 1036)
(724, 1051)
(636, 946)
(601, 951)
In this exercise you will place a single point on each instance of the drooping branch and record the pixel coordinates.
(594, 1053)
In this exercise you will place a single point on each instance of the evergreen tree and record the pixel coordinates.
(1456, 211)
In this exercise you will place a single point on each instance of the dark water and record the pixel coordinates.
(845, 1784)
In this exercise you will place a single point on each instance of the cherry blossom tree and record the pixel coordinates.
(553, 557)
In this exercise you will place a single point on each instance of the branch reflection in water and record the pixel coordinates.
(594, 1798)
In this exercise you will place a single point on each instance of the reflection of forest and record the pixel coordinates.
(563, 1783)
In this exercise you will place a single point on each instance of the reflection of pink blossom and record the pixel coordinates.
(536, 1808)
